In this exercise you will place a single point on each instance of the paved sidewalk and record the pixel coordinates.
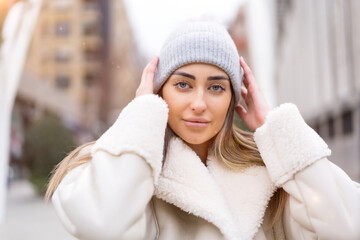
(29, 217)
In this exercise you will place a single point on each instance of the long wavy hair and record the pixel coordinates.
(238, 150)
(234, 146)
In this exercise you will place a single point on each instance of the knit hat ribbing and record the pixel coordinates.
(199, 42)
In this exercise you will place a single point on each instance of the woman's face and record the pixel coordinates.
(198, 96)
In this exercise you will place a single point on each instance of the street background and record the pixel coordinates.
(68, 68)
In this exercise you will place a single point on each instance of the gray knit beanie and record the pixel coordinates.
(199, 42)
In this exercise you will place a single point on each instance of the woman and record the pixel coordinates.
(173, 165)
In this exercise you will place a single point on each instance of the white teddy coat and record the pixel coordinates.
(126, 192)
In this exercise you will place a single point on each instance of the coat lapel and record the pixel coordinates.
(247, 194)
(235, 202)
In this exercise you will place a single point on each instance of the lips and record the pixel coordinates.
(196, 122)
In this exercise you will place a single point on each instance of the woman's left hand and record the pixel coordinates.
(257, 106)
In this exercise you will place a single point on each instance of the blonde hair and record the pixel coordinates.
(235, 147)
(238, 150)
(75, 158)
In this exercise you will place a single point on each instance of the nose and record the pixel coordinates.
(198, 102)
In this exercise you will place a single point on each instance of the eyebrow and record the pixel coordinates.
(193, 77)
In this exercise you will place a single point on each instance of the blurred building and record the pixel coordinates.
(123, 62)
(318, 68)
(252, 32)
(63, 62)
(81, 65)
(239, 34)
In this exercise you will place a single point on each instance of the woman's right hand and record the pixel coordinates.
(147, 79)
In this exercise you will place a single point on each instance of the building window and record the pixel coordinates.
(63, 55)
(62, 29)
(89, 79)
(331, 126)
(90, 28)
(91, 53)
(90, 5)
(347, 122)
(62, 81)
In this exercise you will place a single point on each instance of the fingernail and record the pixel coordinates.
(155, 60)
(242, 58)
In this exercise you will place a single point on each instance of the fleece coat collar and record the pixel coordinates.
(235, 202)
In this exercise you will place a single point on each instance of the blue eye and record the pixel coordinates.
(182, 85)
(217, 88)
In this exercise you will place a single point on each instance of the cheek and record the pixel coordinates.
(171, 102)
(177, 108)
(220, 109)
(173, 114)
(220, 119)
(174, 102)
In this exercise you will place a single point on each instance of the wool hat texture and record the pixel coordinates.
(199, 42)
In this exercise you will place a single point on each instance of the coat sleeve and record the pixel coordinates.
(110, 197)
(323, 202)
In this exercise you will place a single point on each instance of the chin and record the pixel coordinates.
(195, 140)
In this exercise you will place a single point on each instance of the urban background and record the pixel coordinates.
(83, 62)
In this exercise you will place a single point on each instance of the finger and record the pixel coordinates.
(241, 111)
(247, 72)
(144, 73)
(147, 79)
(150, 72)
(246, 82)
(244, 94)
(244, 65)
(147, 66)
(153, 63)
(250, 84)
